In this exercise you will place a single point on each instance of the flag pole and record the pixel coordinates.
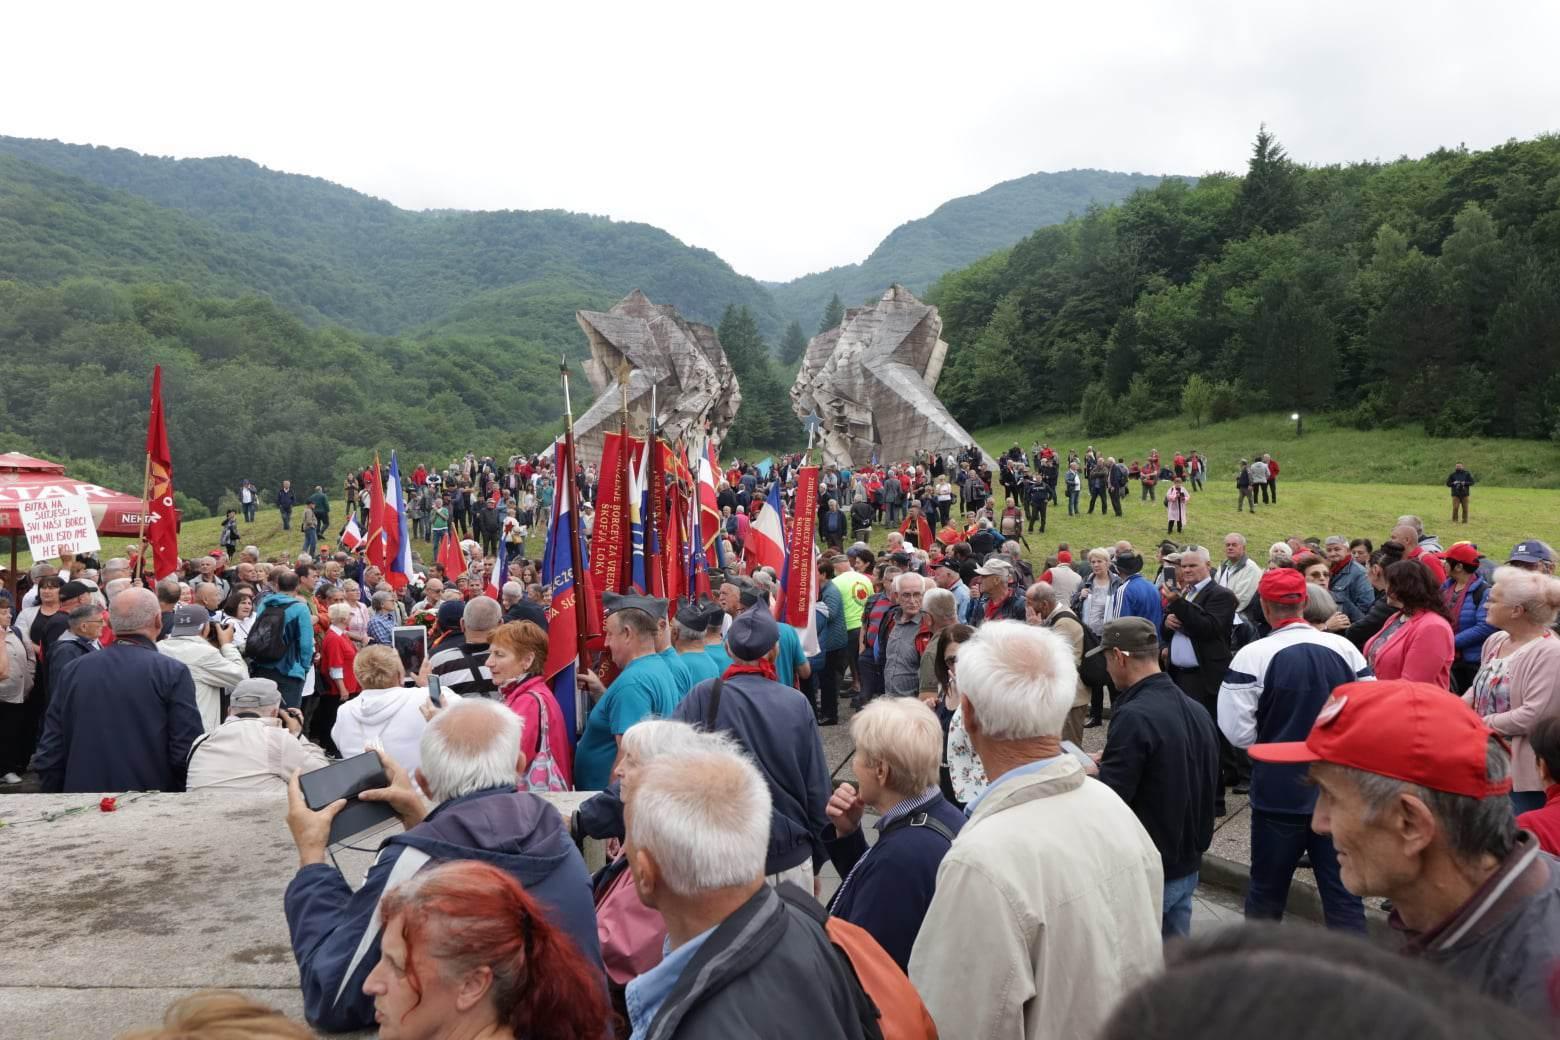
(140, 535)
(583, 620)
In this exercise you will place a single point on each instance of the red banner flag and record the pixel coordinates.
(801, 578)
(610, 548)
(378, 553)
(451, 556)
(158, 514)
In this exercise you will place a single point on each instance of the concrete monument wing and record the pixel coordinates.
(681, 359)
(873, 381)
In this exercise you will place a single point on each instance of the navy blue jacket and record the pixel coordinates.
(517, 832)
(891, 888)
(776, 725)
(1471, 623)
(1162, 757)
(122, 719)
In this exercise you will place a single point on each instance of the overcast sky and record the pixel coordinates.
(786, 137)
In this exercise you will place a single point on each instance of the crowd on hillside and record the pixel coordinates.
(1389, 709)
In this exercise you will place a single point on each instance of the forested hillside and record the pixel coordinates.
(327, 252)
(959, 231)
(251, 390)
(1421, 290)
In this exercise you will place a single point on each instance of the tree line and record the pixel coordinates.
(1416, 291)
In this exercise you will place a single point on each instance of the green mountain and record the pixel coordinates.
(329, 253)
(957, 233)
(1417, 291)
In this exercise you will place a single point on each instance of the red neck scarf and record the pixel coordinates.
(762, 666)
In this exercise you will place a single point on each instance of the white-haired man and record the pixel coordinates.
(1048, 905)
(743, 958)
(470, 754)
(1238, 573)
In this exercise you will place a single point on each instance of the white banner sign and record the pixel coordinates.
(58, 526)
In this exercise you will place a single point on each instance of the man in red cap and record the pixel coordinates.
(1424, 818)
(1272, 692)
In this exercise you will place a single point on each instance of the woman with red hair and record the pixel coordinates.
(467, 952)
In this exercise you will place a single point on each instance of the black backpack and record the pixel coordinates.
(268, 635)
(1092, 669)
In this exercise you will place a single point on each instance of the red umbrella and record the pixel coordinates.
(25, 479)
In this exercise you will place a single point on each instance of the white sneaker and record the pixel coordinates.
(9, 779)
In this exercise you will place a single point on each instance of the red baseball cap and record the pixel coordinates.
(1462, 552)
(1064, 556)
(1411, 731)
(1282, 585)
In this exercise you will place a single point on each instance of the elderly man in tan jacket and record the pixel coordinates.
(258, 747)
(1045, 607)
(1048, 904)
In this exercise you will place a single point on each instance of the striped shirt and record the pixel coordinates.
(462, 667)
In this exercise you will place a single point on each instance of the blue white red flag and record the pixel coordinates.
(558, 577)
(638, 510)
(398, 542)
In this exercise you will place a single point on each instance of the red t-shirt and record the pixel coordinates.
(1545, 822)
(339, 652)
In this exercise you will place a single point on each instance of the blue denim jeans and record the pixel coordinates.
(1177, 919)
(1072, 502)
(1277, 841)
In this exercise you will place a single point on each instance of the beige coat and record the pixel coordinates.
(251, 755)
(1047, 910)
(213, 671)
(1070, 628)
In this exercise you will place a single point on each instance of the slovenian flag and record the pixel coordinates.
(351, 535)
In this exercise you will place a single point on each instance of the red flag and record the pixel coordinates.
(451, 557)
(801, 579)
(610, 547)
(160, 517)
(655, 523)
(378, 553)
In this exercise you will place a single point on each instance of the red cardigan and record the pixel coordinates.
(1420, 651)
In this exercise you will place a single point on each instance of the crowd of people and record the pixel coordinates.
(1390, 710)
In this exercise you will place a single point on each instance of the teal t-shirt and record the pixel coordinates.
(790, 656)
(642, 690)
(701, 666)
(679, 672)
(718, 654)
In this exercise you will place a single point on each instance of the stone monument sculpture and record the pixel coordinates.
(651, 346)
(872, 381)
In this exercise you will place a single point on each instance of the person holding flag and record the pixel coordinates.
(644, 686)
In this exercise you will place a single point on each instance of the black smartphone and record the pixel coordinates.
(347, 779)
(435, 692)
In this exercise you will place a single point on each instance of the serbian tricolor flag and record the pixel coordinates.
(352, 534)
(766, 545)
(398, 543)
(158, 514)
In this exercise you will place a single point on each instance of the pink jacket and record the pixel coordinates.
(1535, 694)
(1175, 503)
(1420, 651)
(518, 699)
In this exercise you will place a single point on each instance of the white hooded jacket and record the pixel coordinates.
(390, 718)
